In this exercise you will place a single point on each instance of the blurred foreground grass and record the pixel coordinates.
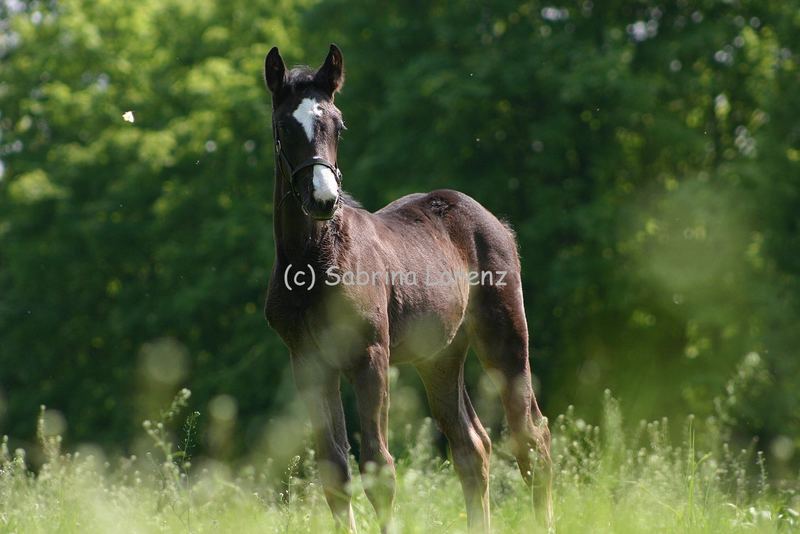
(607, 481)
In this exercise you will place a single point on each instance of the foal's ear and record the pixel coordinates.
(274, 70)
(330, 76)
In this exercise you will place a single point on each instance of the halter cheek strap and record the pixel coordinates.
(283, 162)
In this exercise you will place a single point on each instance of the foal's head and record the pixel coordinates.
(307, 125)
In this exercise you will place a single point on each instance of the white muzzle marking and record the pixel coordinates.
(325, 186)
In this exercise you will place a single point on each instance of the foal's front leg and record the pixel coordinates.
(320, 390)
(370, 379)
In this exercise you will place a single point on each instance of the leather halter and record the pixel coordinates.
(282, 160)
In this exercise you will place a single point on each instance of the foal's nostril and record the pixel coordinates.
(329, 204)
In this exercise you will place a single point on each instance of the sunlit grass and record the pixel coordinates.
(607, 481)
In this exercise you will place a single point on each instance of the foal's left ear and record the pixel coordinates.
(330, 76)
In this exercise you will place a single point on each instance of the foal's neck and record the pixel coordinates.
(299, 237)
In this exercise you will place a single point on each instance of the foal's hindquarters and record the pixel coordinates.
(495, 326)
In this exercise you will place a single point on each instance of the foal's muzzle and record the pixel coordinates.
(322, 211)
(323, 191)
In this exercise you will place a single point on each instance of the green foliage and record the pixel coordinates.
(647, 154)
(117, 235)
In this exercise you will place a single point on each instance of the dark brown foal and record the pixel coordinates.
(417, 282)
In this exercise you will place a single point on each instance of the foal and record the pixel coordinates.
(417, 282)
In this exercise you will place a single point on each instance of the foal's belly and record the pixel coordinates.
(425, 318)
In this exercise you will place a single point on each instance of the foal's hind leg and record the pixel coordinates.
(443, 376)
(499, 333)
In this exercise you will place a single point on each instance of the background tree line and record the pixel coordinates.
(647, 154)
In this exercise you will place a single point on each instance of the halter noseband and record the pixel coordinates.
(281, 160)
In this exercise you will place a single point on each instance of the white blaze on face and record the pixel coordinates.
(306, 114)
(324, 182)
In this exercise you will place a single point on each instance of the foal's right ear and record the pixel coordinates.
(274, 71)
(330, 76)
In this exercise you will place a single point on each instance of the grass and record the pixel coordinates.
(607, 481)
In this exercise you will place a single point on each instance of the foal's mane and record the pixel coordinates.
(300, 76)
(348, 200)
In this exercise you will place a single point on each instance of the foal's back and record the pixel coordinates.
(481, 239)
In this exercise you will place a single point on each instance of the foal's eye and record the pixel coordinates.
(339, 129)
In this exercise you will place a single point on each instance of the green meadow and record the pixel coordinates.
(608, 479)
